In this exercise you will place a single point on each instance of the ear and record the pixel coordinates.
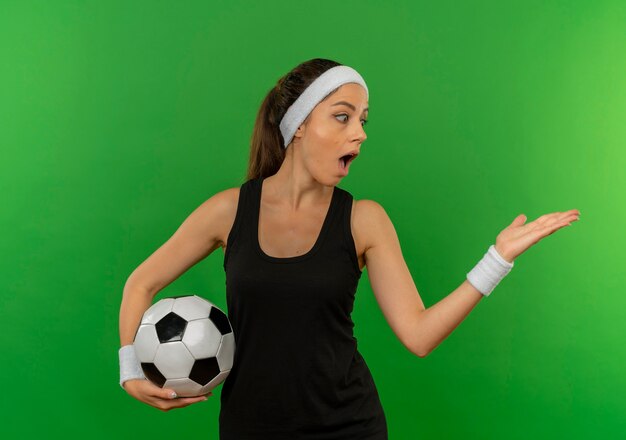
(301, 129)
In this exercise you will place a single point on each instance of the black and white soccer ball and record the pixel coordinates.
(185, 343)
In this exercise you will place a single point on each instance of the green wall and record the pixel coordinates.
(119, 118)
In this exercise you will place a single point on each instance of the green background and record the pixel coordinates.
(118, 119)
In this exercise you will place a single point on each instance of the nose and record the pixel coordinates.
(360, 133)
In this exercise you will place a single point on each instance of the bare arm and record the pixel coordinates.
(135, 301)
(422, 329)
(197, 237)
(435, 323)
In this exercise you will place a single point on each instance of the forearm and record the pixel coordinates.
(135, 301)
(435, 323)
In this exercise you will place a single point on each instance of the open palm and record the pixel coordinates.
(518, 237)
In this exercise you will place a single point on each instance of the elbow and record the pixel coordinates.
(417, 349)
(421, 353)
(417, 345)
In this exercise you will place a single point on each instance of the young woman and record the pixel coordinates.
(294, 247)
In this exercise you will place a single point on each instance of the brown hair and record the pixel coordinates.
(266, 145)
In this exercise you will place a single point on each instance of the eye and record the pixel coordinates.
(363, 121)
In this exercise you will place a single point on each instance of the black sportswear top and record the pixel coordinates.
(297, 373)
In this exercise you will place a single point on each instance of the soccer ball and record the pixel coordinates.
(185, 343)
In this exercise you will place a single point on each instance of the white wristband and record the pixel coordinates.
(489, 271)
(130, 368)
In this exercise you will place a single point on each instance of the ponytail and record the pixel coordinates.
(266, 144)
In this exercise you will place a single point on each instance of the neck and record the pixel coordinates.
(293, 186)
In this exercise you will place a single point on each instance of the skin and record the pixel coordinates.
(294, 202)
(299, 194)
(309, 172)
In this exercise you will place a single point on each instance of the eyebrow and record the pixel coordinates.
(349, 105)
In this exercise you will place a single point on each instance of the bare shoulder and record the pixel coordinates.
(368, 220)
(226, 205)
(216, 215)
(197, 237)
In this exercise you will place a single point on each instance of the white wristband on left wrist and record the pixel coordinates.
(130, 368)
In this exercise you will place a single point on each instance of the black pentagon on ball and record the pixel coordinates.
(204, 370)
(152, 372)
(220, 320)
(171, 328)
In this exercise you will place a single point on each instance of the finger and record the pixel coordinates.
(543, 221)
(558, 216)
(569, 219)
(571, 214)
(162, 397)
(182, 402)
(179, 402)
(166, 394)
(547, 224)
(559, 219)
(551, 229)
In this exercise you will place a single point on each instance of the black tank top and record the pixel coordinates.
(297, 373)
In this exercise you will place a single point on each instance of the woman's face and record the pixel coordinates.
(332, 130)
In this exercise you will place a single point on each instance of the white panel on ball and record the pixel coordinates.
(191, 307)
(196, 340)
(226, 352)
(197, 345)
(157, 311)
(146, 343)
(184, 387)
(173, 360)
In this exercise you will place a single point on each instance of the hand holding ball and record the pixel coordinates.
(185, 343)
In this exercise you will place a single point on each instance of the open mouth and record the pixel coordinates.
(345, 160)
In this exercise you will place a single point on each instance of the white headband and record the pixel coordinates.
(313, 94)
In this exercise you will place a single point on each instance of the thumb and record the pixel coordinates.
(168, 394)
(519, 220)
